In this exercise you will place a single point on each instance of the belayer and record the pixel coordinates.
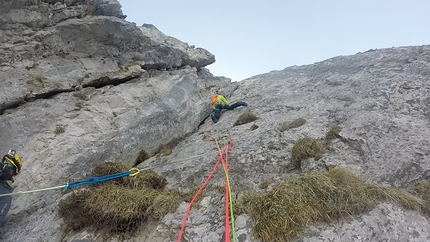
(10, 166)
(219, 102)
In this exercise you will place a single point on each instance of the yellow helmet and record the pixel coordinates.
(13, 158)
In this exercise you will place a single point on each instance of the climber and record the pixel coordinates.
(219, 102)
(10, 166)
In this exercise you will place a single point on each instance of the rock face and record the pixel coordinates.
(43, 54)
(81, 86)
(378, 98)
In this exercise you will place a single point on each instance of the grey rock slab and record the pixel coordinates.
(384, 223)
(81, 89)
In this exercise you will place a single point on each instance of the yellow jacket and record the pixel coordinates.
(217, 98)
(6, 174)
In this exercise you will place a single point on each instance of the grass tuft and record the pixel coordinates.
(143, 155)
(282, 213)
(265, 184)
(167, 149)
(306, 148)
(421, 189)
(148, 178)
(291, 125)
(59, 130)
(118, 208)
(165, 203)
(71, 209)
(333, 133)
(122, 204)
(245, 118)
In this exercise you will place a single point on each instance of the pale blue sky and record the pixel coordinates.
(254, 37)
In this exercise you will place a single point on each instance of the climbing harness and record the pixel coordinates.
(94, 180)
(228, 198)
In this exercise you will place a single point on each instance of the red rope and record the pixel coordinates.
(227, 218)
(227, 192)
(196, 195)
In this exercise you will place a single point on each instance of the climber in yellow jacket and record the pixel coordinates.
(10, 166)
(219, 102)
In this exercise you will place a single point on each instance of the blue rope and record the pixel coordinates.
(95, 180)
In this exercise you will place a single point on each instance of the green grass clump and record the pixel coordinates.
(245, 118)
(282, 213)
(122, 204)
(291, 125)
(306, 148)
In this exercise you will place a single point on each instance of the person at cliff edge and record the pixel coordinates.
(10, 166)
(219, 102)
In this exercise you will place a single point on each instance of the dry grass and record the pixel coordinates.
(71, 209)
(59, 129)
(143, 155)
(165, 203)
(152, 72)
(421, 189)
(219, 189)
(89, 10)
(282, 213)
(117, 208)
(120, 205)
(306, 148)
(148, 178)
(40, 79)
(333, 133)
(291, 125)
(167, 149)
(265, 184)
(164, 150)
(245, 118)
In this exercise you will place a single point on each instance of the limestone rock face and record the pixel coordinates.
(42, 54)
(378, 98)
(81, 86)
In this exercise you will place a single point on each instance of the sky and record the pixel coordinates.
(250, 37)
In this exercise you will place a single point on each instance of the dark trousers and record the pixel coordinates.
(221, 106)
(5, 202)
